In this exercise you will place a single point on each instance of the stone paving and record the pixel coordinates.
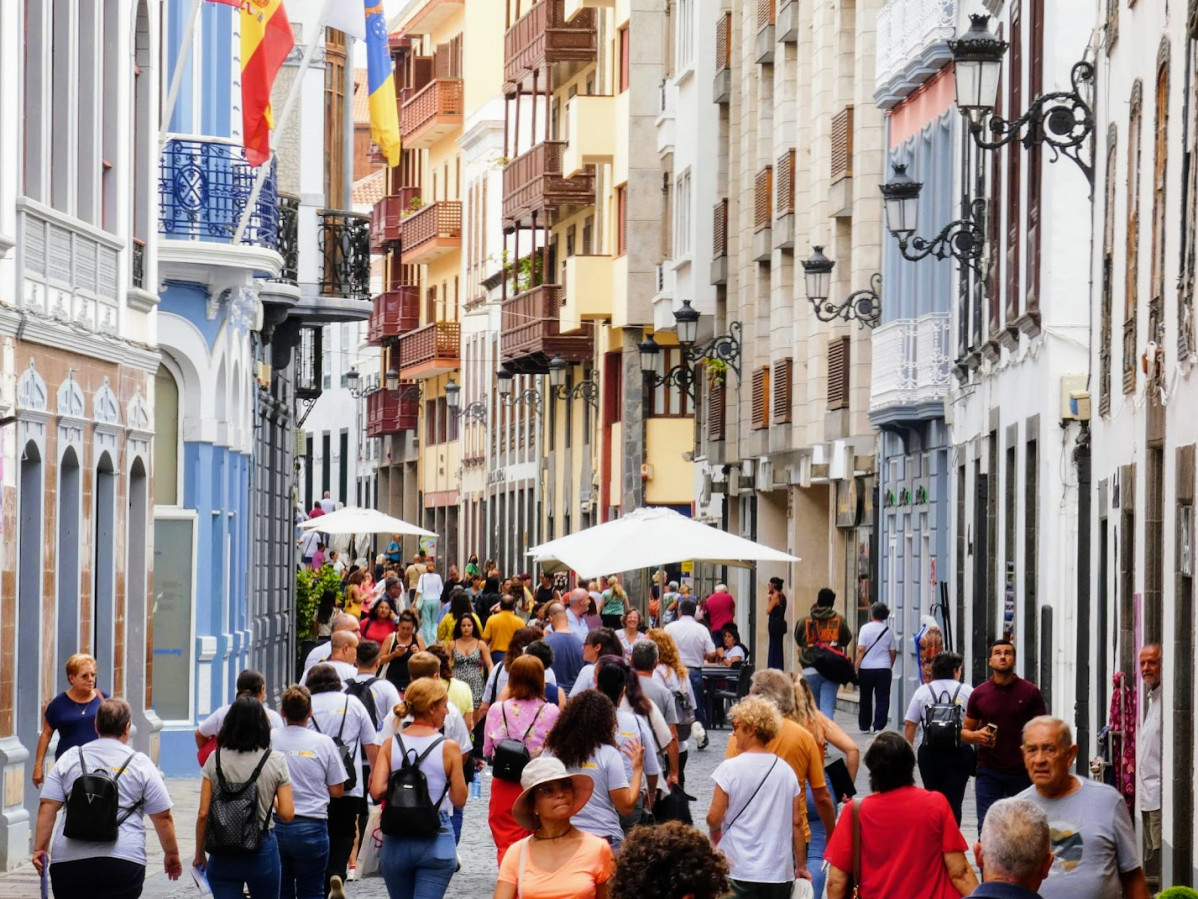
(478, 874)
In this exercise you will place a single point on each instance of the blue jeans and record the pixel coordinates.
(419, 868)
(696, 678)
(992, 786)
(260, 872)
(823, 690)
(818, 842)
(303, 854)
(456, 820)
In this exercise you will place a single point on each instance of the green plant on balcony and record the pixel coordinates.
(717, 372)
(415, 206)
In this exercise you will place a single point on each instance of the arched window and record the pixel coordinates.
(70, 513)
(166, 438)
(1131, 285)
(1156, 305)
(30, 599)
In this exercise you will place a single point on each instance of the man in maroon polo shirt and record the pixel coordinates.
(994, 719)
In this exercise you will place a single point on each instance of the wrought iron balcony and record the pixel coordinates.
(434, 230)
(396, 312)
(345, 246)
(203, 188)
(530, 331)
(913, 38)
(387, 216)
(542, 36)
(533, 182)
(430, 113)
(431, 350)
(912, 362)
(289, 207)
(387, 414)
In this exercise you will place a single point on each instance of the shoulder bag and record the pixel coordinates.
(728, 825)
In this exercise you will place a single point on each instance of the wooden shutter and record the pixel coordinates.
(422, 72)
(838, 374)
(786, 180)
(842, 144)
(715, 411)
(723, 42)
(761, 398)
(782, 398)
(763, 195)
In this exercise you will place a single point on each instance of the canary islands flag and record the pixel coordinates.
(266, 39)
(384, 115)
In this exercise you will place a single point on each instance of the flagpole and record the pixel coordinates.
(280, 124)
(180, 64)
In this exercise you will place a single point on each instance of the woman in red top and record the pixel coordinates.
(380, 623)
(910, 843)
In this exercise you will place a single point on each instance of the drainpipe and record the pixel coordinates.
(1081, 458)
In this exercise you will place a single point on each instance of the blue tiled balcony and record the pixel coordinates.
(203, 188)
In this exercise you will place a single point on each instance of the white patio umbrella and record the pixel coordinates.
(646, 538)
(355, 520)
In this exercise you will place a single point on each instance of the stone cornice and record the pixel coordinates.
(60, 335)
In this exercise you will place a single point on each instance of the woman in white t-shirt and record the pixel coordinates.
(876, 650)
(584, 740)
(756, 817)
(943, 770)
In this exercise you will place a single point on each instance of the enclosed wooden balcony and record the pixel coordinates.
(542, 36)
(530, 331)
(431, 113)
(431, 350)
(387, 215)
(396, 312)
(432, 231)
(387, 414)
(533, 182)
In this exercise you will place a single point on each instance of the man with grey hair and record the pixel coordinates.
(1014, 851)
(322, 652)
(644, 662)
(1093, 839)
(719, 608)
(1148, 768)
(578, 600)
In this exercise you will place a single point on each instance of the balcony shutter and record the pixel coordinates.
(763, 190)
(842, 144)
(422, 72)
(719, 235)
(786, 179)
(723, 42)
(715, 411)
(838, 374)
(761, 398)
(782, 379)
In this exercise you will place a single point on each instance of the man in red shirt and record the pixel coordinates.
(994, 719)
(719, 608)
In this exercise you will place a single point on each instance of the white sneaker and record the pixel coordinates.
(351, 874)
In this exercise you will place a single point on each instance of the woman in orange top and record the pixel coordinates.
(558, 861)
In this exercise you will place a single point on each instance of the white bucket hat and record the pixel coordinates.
(545, 770)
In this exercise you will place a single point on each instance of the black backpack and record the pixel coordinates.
(942, 722)
(683, 707)
(345, 750)
(233, 825)
(511, 755)
(409, 810)
(93, 804)
(361, 690)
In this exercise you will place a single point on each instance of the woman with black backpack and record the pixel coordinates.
(418, 774)
(243, 779)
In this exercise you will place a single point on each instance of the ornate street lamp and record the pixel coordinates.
(963, 239)
(352, 381)
(1061, 119)
(864, 305)
(476, 411)
(722, 347)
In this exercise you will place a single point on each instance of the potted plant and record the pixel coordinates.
(717, 372)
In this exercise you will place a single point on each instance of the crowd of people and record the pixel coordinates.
(585, 715)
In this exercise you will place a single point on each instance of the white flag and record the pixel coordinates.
(345, 15)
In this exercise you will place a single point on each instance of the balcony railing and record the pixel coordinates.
(387, 414)
(431, 112)
(345, 244)
(396, 312)
(912, 361)
(533, 182)
(530, 330)
(543, 36)
(842, 144)
(289, 207)
(912, 42)
(388, 213)
(434, 229)
(435, 347)
(203, 188)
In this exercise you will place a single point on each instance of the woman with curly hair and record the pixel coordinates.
(584, 739)
(756, 814)
(670, 861)
(672, 673)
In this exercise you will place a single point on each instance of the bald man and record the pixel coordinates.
(578, 600)
(323, 651)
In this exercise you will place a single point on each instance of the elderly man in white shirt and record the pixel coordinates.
(694, 648)
(1148, 772)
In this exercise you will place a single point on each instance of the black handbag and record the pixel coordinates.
(673, 806)
(837, 774)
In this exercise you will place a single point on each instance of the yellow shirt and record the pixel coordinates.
(460, 696)
(445, 628)
(499, 630)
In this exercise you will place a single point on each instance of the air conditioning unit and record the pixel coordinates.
(765, 475)
(585, 507)
(733, 482)
(705, 489)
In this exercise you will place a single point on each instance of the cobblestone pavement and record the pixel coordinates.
(477, 877)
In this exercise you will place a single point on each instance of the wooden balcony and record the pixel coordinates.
(396, 312)
(542, 37)
(431, 350)
(530, 332)
(431, 113)
(387, 414)
(533, 182)
(433, 231)
(388, 213)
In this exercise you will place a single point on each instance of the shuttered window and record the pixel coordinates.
(782, 381)
(838, 374)
(1131, 289)
(763, 195)
(761, 398)
(715, 411)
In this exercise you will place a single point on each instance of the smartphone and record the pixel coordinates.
(992, 729)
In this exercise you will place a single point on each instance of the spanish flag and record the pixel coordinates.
(266, 39)
(384, 114)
